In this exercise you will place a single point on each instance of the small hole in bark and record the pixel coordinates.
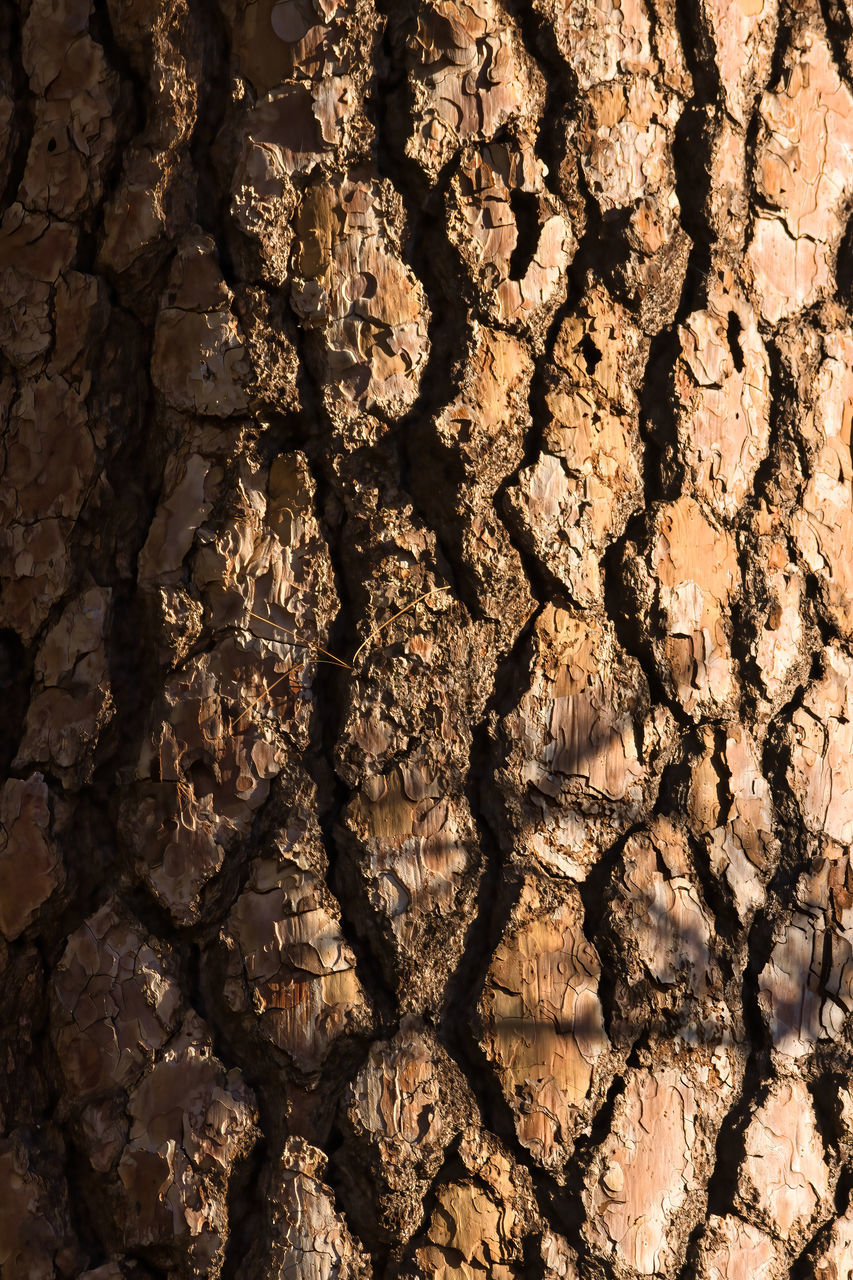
(51, 146)
(525, 210)
(733, 333)
(203, 783)
(590, 353)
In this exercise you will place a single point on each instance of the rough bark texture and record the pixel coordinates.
(426, 639)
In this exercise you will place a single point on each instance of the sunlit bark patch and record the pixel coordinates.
(823, 528)
(785, 1184)
(802, 172)
(731, 1249)
(722, 385)
(693, 575)
(542, 1024)
(807, 985)
(644, 1188)
(470, 77)
(484, 226)
(487, 1221)
(821, 737)
(738, 830)
(584, 749)
(414, 850)
(363, 308)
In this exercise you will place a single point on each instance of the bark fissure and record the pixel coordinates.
(425, 629)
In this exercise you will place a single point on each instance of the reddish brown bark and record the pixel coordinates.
(425, 639)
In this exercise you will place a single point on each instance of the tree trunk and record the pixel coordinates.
(427, 612)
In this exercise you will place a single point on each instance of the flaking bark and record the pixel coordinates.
(426, 611)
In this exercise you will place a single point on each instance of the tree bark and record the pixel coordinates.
(427, 610)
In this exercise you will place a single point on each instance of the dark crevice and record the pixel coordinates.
(623, 611)
(843, 1190)
(756, 124)
(664, 472)
(133, 470)
(16, 674)
(783, 437)
(595, 893)
(498, 887)
(560, 82)
(590, 353)
(728, 941)
(824, 1087)
(225, 885)
(839, 29)
(129, 113)
(337, 1178)
(85, 1201)
(21, 127)
(844, 265)
(384, 1254)
(694, 134)
(245, 1204)
(571, 1195)
(758, 1071)
(733, 332)
(558, 1208)
(396, 1260)
(330, 687)
(212, 194)
(730, 1147)
(824, 627)
(601, 253)
(448, 329)
(804, 1266)
(784, 455)
(542, 585)
(526, 211)
(690, 1267)
(332, 797)
(331, 694)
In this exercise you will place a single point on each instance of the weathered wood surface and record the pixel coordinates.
(426, 639)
